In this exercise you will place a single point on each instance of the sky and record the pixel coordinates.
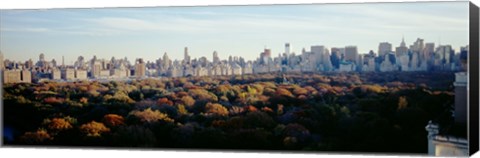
(230, 30)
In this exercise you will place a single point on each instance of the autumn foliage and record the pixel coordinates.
(36, 137)
(113, 120)
(59, 124)
(315, 112)
(94, 129)
(149, 115)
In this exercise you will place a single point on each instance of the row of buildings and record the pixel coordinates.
(417, 57)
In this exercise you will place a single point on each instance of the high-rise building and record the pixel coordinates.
(56, 74)
(384, 48)
(186, 57)
(80, 74)
(29, 64)
(335, 57)
(429, 51)
(351, 53)
(327, 63)
(444, 53)
(68, 74)
(11, 76)
(140, 68)
(96, 69)
(53, 63)
(41, 57)
(80, 63)
(41, 61)
(418, 45)
(402, 49)
(288, 49)
(215, 58)
(318, 53)
(202, 61)
(265, 56)
(166, 61)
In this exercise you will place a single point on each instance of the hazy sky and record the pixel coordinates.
(230, 30)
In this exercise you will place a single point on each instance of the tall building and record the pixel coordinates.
(351, 53)
(327, 63)
(418, 45)
(265, 56)
(215, 58)
(41, 61)
(11, 76)
(29, 64)
(288, 49)
(444, 53)
(41, 57)
(80, 63)
(140, 68)
(429, 52)
(402, 49)
(17, 76)
(318, 53)
(166, 61)
(384, 48)
(335, 57)
(56, 74)
(68, 74)
(81, 74)
(96, 69)
(53, 63)
(186, 57)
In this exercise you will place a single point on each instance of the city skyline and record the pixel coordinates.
(210, 57)
(230, 30)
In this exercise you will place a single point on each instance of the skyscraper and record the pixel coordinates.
(335, 57)
(443, 56)
(429, 53)
(384, 48)
(41, 57)
(140, 68)
(166, 61)
(186, 57)
(288, 49)
(265, 56)
(28, 64)
(418, 47)
(318, 53)
(402, 49)
(96, 69)
(351, 53)
(215, 58)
